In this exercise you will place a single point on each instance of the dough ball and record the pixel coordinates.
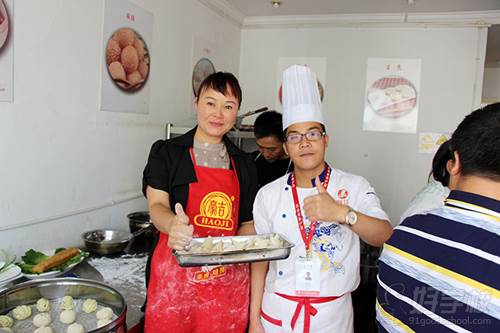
(75, 328)
(6, 321)
(129, 59)
(21, 312)
(89, 305)
(113, 51)
(139, 46)
(143, 69)
(125, 37)
(43, 305)
(67, 303)
(116, 71)
(42, 319)
(104, 313)
(43, 330)
(134, 77)
(103, 322)
(67, 316)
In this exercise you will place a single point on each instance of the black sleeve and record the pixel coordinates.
(248, 188)
(156, 173)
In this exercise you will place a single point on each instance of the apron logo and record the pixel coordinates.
(208, 275)
(215, 212)
(342, 194)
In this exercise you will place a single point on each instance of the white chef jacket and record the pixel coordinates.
(335, 245)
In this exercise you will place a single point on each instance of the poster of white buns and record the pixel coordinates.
(392, 95)
(126, 57)
(6, 50)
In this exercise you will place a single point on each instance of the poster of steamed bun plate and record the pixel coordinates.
(126, 64)
(6, 50)
(392, 95)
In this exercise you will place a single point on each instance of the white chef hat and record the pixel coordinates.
(301, 100)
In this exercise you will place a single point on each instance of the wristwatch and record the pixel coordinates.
(351, 217)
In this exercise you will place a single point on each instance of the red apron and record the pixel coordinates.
(201, 299)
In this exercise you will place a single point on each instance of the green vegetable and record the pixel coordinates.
(31, 258)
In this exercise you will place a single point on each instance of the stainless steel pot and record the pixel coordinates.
(137, 221)
(29, 292)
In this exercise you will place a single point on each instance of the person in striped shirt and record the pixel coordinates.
(440, 271)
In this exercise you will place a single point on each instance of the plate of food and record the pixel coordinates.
(392, 96)
(49, 264)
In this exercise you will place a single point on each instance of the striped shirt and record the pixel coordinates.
(440, 272)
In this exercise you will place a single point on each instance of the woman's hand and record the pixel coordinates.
(180, 231)
(256, 326)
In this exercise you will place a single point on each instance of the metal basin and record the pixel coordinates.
(29, 292)
(106, 241)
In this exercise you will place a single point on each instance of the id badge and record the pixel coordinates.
(307, 276)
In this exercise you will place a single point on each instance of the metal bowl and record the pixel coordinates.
(29, 292)
(106, 241)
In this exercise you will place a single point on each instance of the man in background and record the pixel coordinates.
(440, 271)
(271, 160)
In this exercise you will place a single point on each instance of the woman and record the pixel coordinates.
(200, 184)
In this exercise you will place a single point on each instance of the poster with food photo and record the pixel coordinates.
(6, 50)
(127, 38)
(392, 95)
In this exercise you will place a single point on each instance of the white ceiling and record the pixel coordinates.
(328, 7)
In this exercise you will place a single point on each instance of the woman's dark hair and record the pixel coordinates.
(439, 171)
(477, 142)
(269, 123)
(223, 82)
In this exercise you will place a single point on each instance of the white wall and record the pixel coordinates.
(66, 166)
(390, 161)
(491, 84)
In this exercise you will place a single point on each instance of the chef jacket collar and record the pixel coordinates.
(313, 181)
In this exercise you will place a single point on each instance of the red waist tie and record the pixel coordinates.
(309, 310)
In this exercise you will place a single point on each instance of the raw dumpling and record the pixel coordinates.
(67, 303)
(206, 247)
(6, 321)
(43, 305)
(67, 316)
(89, 305)
(218, 247)
(21, 312)
(42, 319)
(104, 313)
(75, 328)
(102, 322)
(43, 330)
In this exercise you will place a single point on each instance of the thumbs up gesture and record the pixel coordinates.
(322, 207)
(180, 232)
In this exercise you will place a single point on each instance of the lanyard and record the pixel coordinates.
(300, 220)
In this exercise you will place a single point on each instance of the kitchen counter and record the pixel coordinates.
(125, 273)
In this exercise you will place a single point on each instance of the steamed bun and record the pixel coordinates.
(6, 321)
(67, 303)
(67, 316)
(43, 305)
(89, 305)
(43, 330)
(42, 319)
(75, 328)
(104, 313)
(21, 312)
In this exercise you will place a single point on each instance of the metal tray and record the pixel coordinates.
(185, 258)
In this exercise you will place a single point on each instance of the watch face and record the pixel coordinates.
(352, 218)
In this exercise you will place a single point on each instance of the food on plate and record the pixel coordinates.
(129, 59)
(42, 319)
(104, 313)
(67, 303)
(124, 37)
(75, 328)
(56, 260)
(143, 69)
(89, 305)
(103, 322)
(113, 51)
(21, 312)
(6, 321)
(67, 316)
(43, 305)
(210, 245)
(134, 77)
(116, 71)
(43, 330)
(32, 258)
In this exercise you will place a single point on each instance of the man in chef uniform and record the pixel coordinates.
(324, 212)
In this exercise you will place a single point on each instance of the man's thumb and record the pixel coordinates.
(179, 211)
(319, 186)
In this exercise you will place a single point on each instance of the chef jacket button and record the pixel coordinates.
(286, 188)
(280, 273)
(283, 215)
